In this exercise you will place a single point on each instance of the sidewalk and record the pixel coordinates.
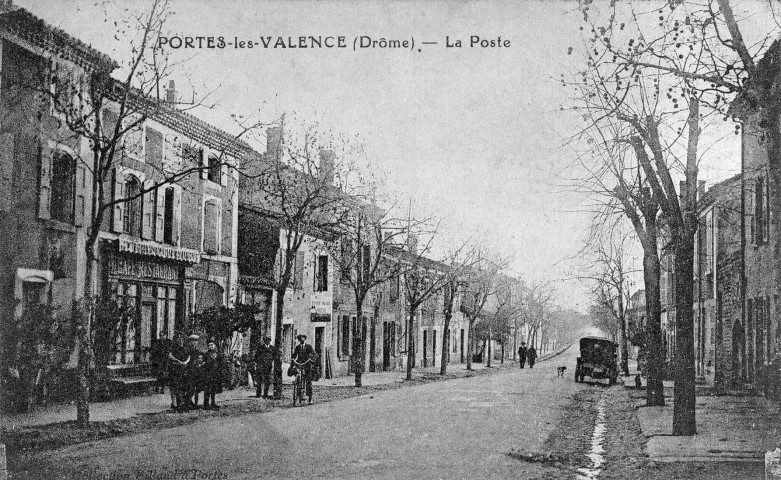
(729, 428)
(146, 404)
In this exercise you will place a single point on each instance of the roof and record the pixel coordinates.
(600, 339)
(717, 192)
(193, 127)
(25, 25)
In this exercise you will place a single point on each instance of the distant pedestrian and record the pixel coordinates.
(264, 361)
(531, 355)
(522, 353)
(212, 376)
(190, 383)
(159, 357)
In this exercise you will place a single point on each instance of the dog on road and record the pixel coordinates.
(560, 371)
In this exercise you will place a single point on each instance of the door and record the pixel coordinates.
(148, 329)
(462, 345)
(434, 349)
(425, 348)
(386, 346)
(319, 335)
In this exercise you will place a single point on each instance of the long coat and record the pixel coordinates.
(264, 358)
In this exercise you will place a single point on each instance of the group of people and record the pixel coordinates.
(187, 371)
(527, 354)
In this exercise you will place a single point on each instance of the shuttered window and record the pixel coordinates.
(63, 186)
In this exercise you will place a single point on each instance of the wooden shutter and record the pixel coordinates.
(6, 171)
(204, 163)
(119, 208)
(160, 214)
(766, 213)
(298, 265)
(177, 220)
(224, 174)
(149, 212)
(81, 193)
(44, 181)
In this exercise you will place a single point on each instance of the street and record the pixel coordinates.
(456, 429)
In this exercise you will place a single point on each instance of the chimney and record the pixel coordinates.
(274, 143)
(170, 94)
(412, 243)
(327, 166)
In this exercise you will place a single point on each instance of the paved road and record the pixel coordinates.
(455, 429)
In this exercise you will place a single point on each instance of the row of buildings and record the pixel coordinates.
(206, 239)
(737, 277)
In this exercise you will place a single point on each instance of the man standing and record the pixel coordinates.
(522, 354)
(264, 361)
(531, 354)
(304, 356)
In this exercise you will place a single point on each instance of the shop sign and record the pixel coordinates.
(157, 250)
(142, 269)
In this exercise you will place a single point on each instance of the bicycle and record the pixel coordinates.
(299, 383)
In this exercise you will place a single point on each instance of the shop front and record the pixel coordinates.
(146, 292)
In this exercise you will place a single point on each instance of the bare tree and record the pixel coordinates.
(367, 235)
(480, 282)
(695, 51)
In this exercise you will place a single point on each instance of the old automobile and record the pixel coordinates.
(597, 360)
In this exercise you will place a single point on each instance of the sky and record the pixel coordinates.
(474, 134)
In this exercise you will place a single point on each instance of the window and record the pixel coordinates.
(215, 170)
(345, 332)
(394, 289)
(366, 261)
(133, 142)
(168, 216)
(132, 218)
(211, 226)
(321, 273)
(63, 185)
(347, 260)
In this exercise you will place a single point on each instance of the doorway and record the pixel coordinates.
(386, 346)
(462, 345)
(425, 348)
(434, 348)
(319, 335)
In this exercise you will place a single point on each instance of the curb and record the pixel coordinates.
(550, 355)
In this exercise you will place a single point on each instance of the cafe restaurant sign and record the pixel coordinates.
(160, 251)
(142, 269)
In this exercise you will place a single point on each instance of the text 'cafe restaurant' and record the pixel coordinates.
(149, 283)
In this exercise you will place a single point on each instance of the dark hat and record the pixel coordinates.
(301, 335)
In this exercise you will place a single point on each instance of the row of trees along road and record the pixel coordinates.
(336, 201)
(653, 78)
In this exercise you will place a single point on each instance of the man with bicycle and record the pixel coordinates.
(304, 359)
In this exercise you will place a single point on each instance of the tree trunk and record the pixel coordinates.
(445, 344)
(501, 361)
(515, 343)
(84, 336)
(358, 344)
(470, 347)
(684, 393)
(278, 340)
(488, 362)
(653, 312)
(622, 319)
(410, 342)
